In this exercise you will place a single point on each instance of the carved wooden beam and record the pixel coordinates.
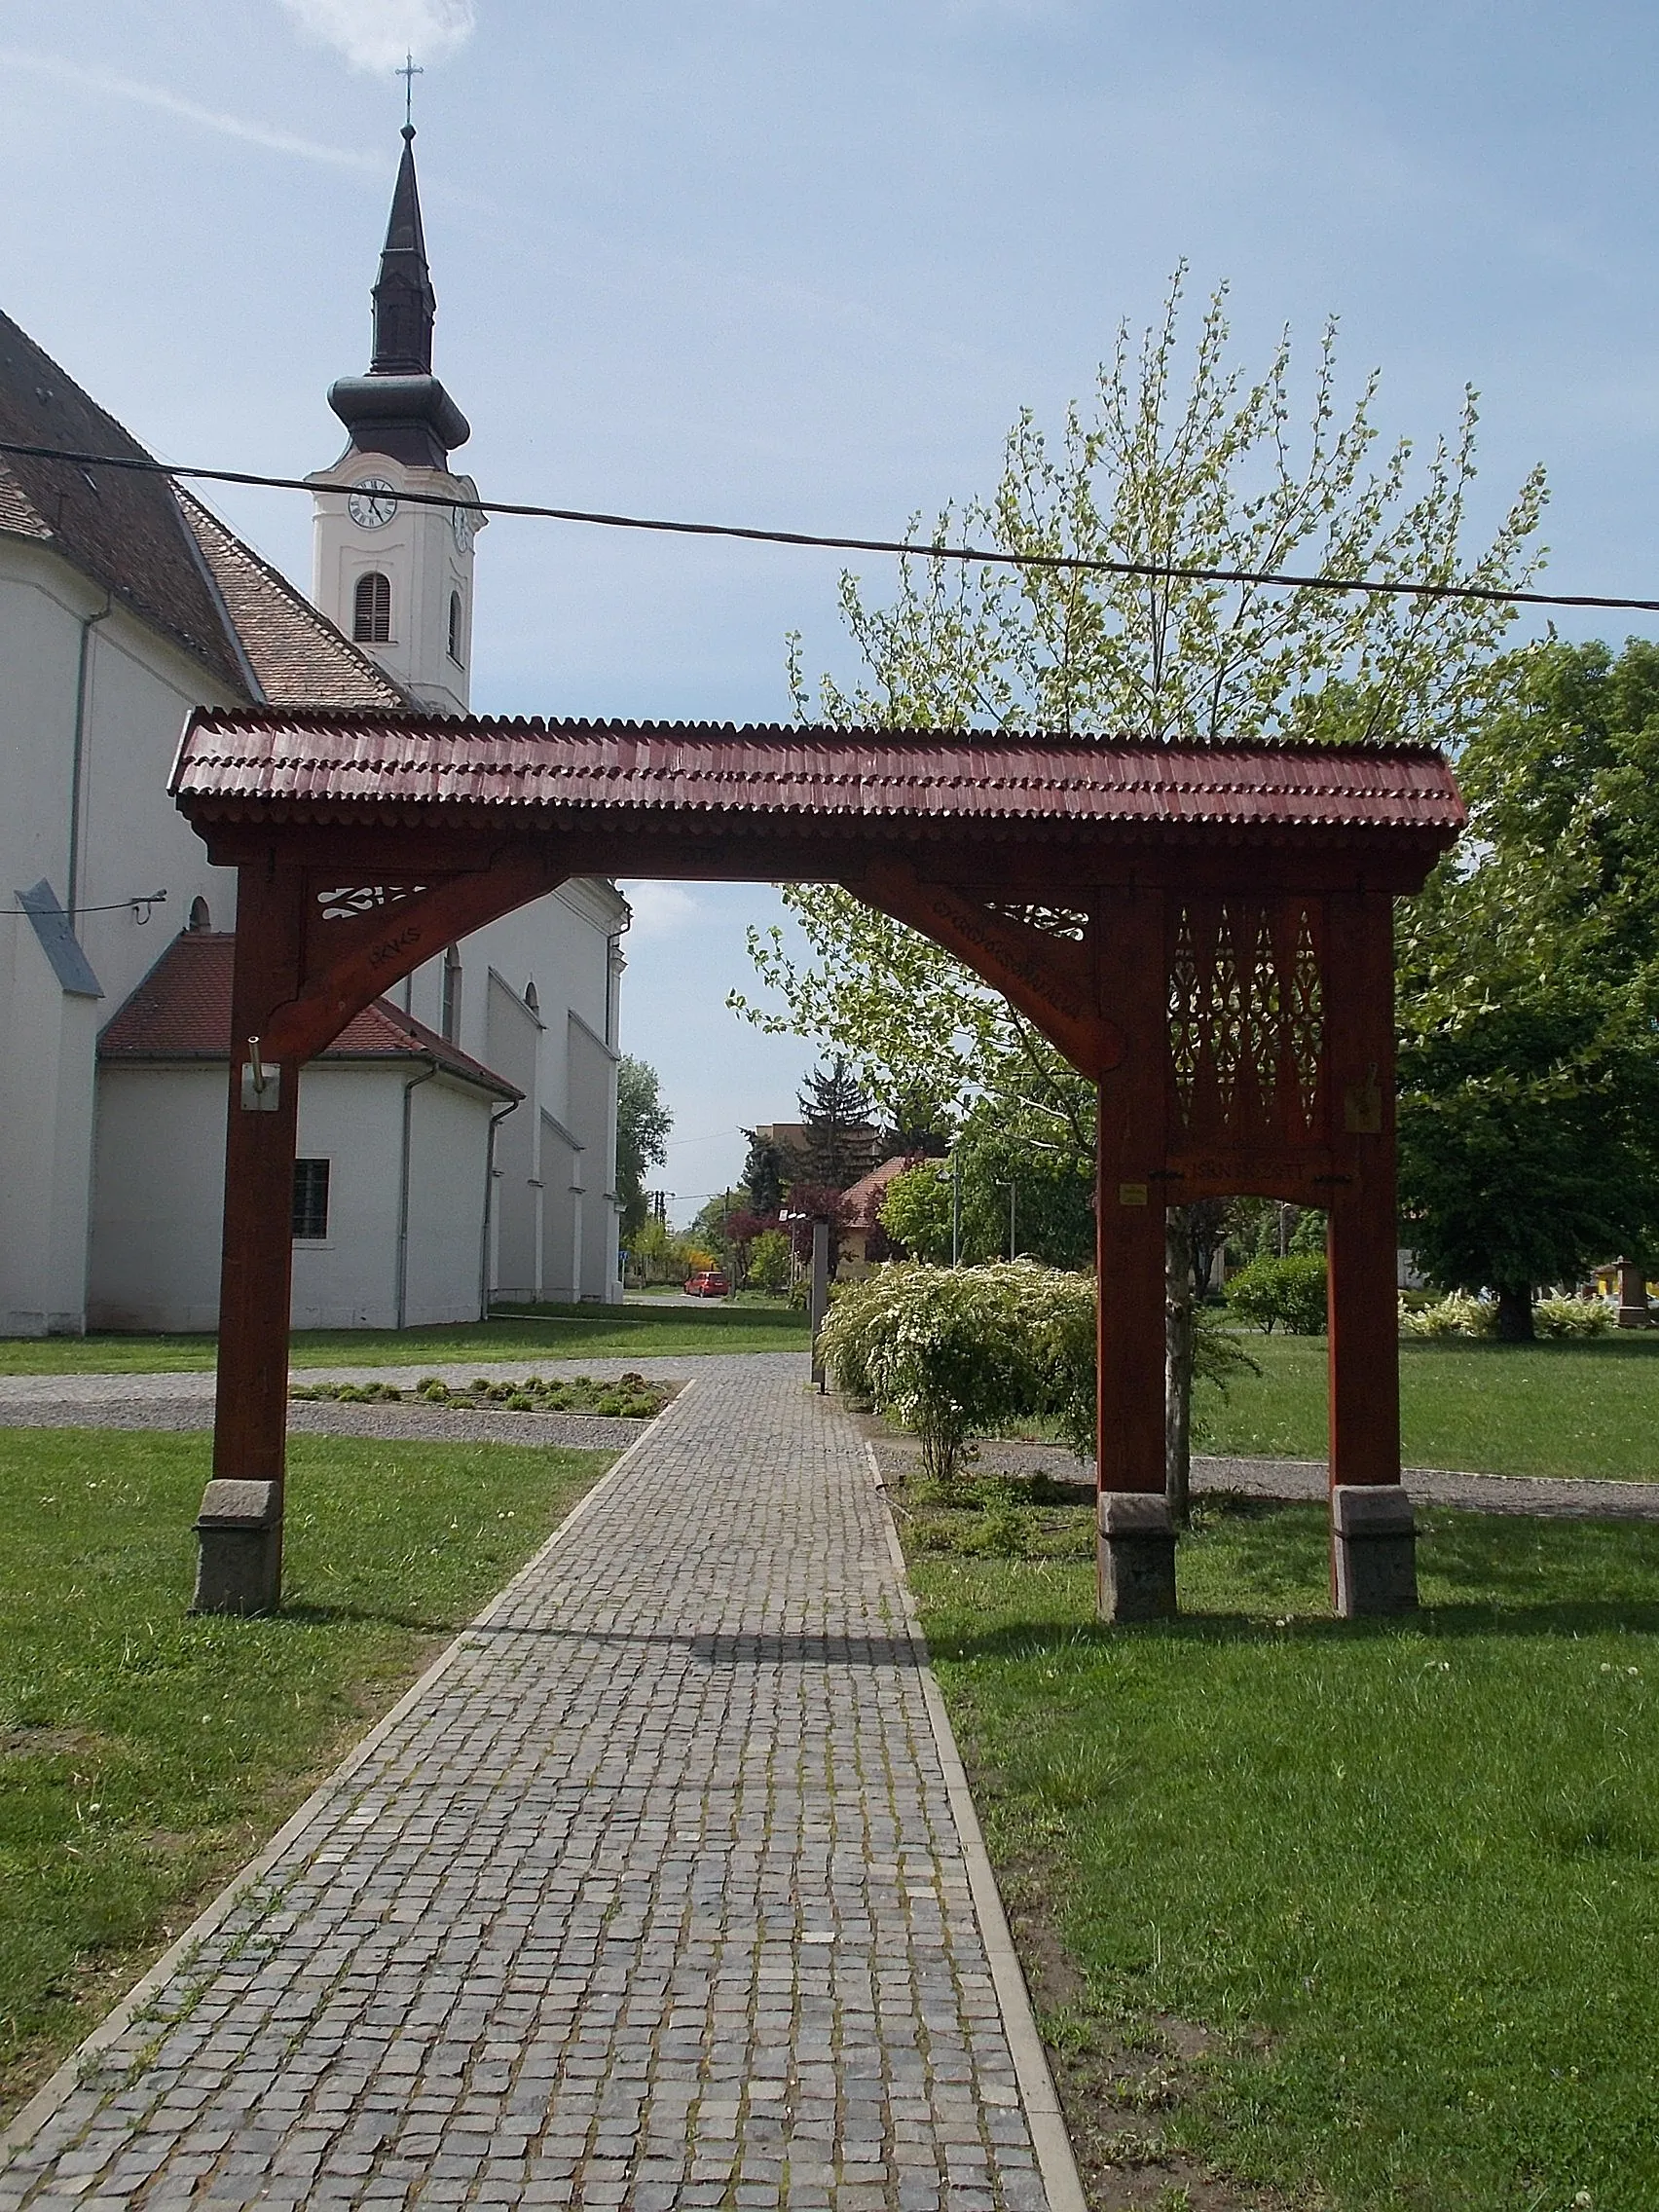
(351, 960)
(1048, 979)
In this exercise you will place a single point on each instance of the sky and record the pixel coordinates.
(801, 265)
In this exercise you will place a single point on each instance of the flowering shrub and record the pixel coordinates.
(951, 1350)
(955, 1351)
(1571, 1317)
(1456, 1316)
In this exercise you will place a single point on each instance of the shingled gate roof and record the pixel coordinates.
(182, 1012)
(318, 767)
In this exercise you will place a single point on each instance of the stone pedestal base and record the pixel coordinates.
(1136, 1557)
(239, 1530)
(1374, 1534)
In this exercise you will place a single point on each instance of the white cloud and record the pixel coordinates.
(660, 909)
(102, 81)
(376, 34)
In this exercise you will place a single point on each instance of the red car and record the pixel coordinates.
(711, 1283)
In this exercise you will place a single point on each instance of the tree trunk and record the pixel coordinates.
(1515, 1313)
(1178, 1363)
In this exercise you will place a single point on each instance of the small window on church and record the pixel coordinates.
(371, 610)
(455, 628)
(311, 1200)
(200, 918)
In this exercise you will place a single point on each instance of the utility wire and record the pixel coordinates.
(975, 555)
(116, 906)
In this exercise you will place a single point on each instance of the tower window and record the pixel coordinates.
(200, 918)
(371, 610)
(454, 652)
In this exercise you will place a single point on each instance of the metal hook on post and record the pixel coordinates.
(261, 1086)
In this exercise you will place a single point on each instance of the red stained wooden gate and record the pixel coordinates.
(1204, 931)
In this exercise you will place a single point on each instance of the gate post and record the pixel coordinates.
(1135, 1536)
(241, 1523)
(1373, 1531)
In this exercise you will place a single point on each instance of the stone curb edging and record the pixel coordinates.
(1061, 2183)
(61, 2085)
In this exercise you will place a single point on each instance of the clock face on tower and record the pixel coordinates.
(465, 524)
(371, 505)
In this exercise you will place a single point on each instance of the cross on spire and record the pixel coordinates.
(409, 72)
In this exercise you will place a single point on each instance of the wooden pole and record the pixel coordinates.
(1372, 1540)
(241, 1514)
(1135, 1549)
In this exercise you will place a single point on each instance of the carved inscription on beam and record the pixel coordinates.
(1050, 979)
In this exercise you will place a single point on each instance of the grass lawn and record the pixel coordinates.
(1585, 1408)
(143, 1754)
(1362, 1914)
(528, 1333)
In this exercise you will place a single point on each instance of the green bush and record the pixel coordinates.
(769, 1261)
(945, 1350)
(1287, 1293)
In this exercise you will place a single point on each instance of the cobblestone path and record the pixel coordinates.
(652, 1897)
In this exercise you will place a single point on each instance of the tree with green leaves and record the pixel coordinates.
(1528, 994)
(642, 1124)
(1177, 464)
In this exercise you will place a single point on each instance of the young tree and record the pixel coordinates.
(1208, 476)
(642, 1124)
(1530, 990)
(837, 1117)
(916, 1211)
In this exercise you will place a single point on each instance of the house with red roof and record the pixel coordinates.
(477, 1116)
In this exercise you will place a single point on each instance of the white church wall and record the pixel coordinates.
(449, 1146)
(158, 1194)
(592, 1065)
(512, 1048)
(125, 840)
(559, 947)
(46, 1125)
(159, 1197)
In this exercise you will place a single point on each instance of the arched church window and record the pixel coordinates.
(200, 918)
(371, 610)
(455, 628)
(449, 1014)
(533, 998)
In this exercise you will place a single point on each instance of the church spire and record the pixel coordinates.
(401, 408)
(405, 303)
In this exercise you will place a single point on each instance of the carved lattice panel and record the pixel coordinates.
(1246, 1021)
(1053, 921)
(351, 901)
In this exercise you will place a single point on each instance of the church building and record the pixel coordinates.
(458, 1142)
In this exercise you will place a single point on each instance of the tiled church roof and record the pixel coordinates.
(160, 553)
(182, 1012)
(298, 655)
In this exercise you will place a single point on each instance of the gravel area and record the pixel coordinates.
(186, 1401)
(1539, 1495)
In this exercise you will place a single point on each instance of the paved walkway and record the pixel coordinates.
(653, 1895)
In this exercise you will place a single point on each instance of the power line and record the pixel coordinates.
(981, 556)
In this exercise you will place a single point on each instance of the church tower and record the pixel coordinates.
(396, 576)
